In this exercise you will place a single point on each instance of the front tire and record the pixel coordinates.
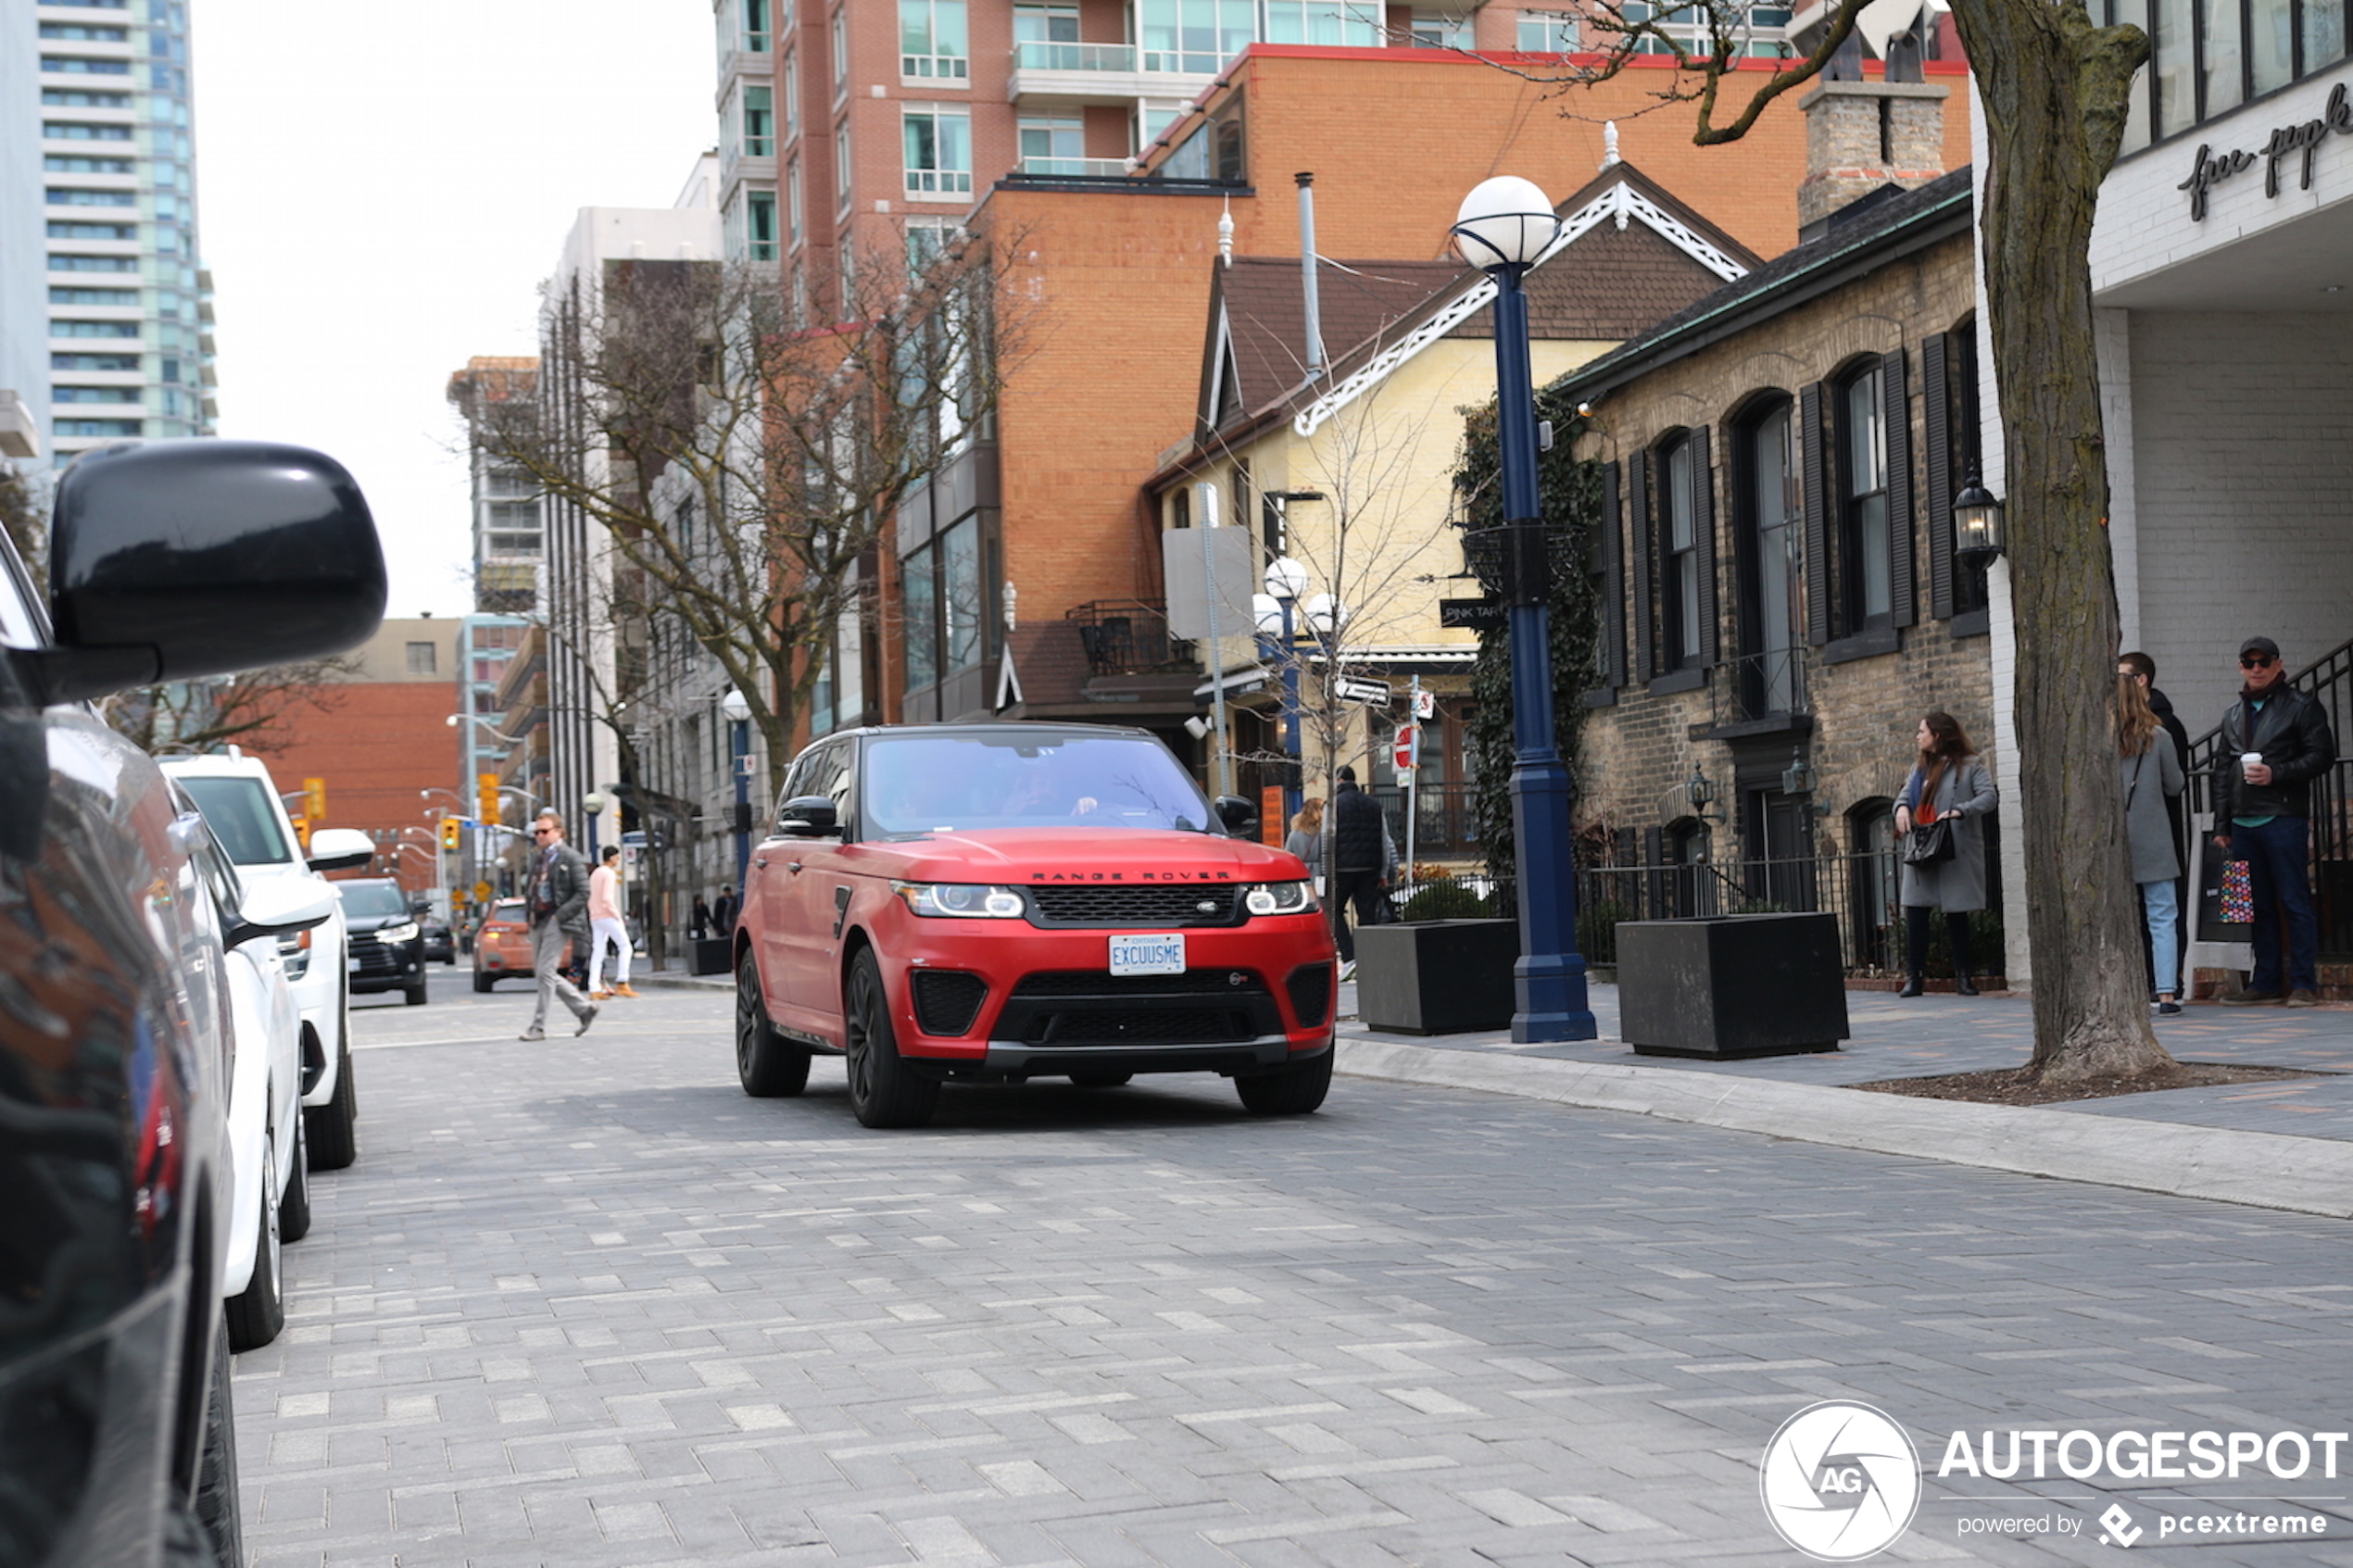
(482, 983)
(206, 1530)
(294, 1210)
(333, 1141)
(416, 993)
(884, 1091)
(1289, 1091)
(770, 1065)
(256, 1314)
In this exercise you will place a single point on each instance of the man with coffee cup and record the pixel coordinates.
(2275, 742)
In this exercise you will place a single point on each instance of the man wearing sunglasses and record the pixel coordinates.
(2275, 742)
(557, 898)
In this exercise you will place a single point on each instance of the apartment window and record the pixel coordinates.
(759, 218)
(77, 130)
(93, 395)
(71, 197)
(102, 429)
(1864, 545)
(508, 481)
(841, 166)
(82, 98)
(422, 660)
(841, 52)
(1045, 24)
(926, 241)
(943, 605)
(1197, 37)
(119, 298)
(93, 231)
(94, 362)
(1442, 30)
(2208, 56)
(93, 329)
(1770, 518)
(931, 40)
(94, 264)
(792, 202)
(939, 157)
(1052, 144)
(755, 26)
(74, 65)
(1357, 24)
(1547, 33)
(56, 163)
(792, 75)
(760, 122)
(1679, 623)
(76, 32)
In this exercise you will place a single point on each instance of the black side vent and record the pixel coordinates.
(946, 1001)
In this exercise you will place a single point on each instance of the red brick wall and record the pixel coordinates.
(376, 744)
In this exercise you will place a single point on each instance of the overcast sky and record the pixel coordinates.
(382, 188)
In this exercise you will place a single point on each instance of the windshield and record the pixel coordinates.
(243, 817)
(370, 901)
(944, 782)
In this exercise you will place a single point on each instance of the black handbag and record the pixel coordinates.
(1930, 844)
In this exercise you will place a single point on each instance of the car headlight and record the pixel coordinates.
(392, 936)
(961, 900)
(1280, 898)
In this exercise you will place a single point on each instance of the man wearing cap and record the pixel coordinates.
(2275, 742)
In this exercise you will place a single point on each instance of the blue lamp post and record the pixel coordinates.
(1503, 226)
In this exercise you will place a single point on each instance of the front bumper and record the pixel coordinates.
(1007, 998)
(375, 967)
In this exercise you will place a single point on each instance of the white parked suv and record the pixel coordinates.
(241, 804)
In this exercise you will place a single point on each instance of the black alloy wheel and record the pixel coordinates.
(770, 1065)
(884, 1091)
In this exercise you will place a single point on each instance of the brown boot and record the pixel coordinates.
(623, 990)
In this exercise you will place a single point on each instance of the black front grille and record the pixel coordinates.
(1096, 983)
(1311, 994)
(373, 956)
(1165, 904)
(1144, 1026)
(946, 1001)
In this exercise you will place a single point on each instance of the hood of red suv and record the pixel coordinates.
(1114, 855)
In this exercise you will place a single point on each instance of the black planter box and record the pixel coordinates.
(714, 955)
(1436, 976)
(1734, 985)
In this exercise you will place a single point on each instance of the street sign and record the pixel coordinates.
(1424, 704)
(1473, 615)
(482, 892)
(1409, 745)
(1348, 689)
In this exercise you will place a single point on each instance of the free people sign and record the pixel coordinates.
(2210, 169)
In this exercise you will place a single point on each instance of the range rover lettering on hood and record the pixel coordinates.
(1122, 876)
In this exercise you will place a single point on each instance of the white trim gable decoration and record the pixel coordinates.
(1620, 202)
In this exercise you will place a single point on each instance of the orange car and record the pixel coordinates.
(502, 946)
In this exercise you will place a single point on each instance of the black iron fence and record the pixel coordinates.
(1444, 827)
(1860, 890)
(1127, 637)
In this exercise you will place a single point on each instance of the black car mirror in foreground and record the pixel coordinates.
(174, 560)
(809, 816)
(1236, 815)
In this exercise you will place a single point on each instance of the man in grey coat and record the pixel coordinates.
(557, 898)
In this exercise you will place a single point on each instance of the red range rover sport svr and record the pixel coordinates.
(998, 902)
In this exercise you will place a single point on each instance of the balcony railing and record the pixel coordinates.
(1128, 638)
(1082, 167)
(1038, 55)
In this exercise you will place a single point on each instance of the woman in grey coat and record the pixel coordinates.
(2151, 770)
(1947, 781)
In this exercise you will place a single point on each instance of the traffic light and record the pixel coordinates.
(314, 799)
(449, 832)
(486, 788)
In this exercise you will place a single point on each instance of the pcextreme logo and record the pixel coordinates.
(1840, 1481)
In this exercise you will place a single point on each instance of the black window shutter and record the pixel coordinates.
(1937, 422)
(1895, 410)
(1704, 535)
(1637, 507)
(1817, 514)
(1613, 626)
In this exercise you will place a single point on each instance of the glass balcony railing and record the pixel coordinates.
(1035, 55)
(1066, 167)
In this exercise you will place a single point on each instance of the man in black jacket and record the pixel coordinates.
(1355, 859)
(557, 898)
(2275, 742)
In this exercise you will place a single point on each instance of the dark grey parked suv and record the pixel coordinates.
(169, 561)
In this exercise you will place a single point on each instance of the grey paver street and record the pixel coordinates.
(585, 1303)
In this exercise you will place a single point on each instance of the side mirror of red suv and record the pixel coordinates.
(807, 816)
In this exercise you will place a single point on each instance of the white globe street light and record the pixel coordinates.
(1286, 578)
(1506, 222)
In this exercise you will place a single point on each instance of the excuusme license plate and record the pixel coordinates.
(1148, 955)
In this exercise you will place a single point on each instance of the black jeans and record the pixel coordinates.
(1351, 887)
(1916, 940)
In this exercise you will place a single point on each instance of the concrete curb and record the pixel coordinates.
(2262, 1170)
(685, 982)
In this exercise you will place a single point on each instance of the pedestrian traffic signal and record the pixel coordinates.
(449, 832)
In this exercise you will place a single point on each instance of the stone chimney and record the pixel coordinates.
(1866, 136)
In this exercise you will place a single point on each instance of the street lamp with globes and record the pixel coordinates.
(1502, 228)
(1286, 580)
(738, 711)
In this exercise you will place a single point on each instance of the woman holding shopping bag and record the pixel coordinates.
(1942, 843)
(2151, 772)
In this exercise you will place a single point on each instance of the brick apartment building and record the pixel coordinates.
(380, 738)
(1781, 460)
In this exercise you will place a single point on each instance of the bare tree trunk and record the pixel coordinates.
(2055, 91)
